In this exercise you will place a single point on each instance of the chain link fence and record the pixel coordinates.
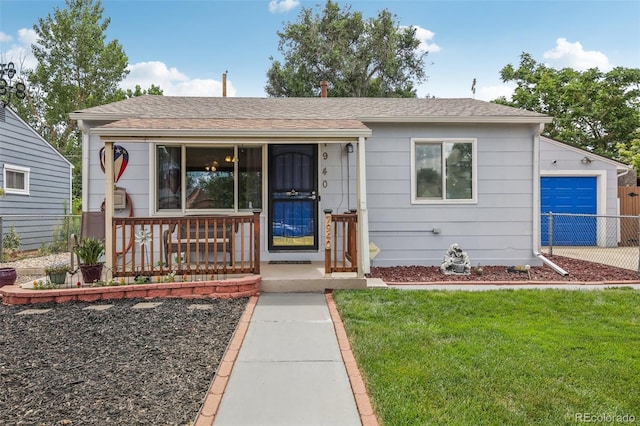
(606, 239)
(36, 235)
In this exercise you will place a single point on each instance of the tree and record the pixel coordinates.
(76, 69)
(591, 109)
(153, 90)
(358, 57)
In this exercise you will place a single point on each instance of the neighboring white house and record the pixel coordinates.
(36, 180)
(422, 174)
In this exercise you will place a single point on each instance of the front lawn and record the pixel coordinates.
(497, 357)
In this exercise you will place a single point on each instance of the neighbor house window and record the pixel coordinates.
(443, 170)
(16, 179)
(213, 178)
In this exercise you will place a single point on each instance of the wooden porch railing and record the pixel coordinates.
(341, 236)
(190, 245)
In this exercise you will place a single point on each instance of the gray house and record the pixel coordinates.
(421, 174)
(36, 180)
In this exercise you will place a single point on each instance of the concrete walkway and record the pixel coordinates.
(289, 370)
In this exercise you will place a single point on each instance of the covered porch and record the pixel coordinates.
(220, 247)
(235, 239)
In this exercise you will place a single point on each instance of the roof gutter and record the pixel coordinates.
(459, 119)
(238, 133)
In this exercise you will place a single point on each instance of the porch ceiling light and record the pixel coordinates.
(212, 166)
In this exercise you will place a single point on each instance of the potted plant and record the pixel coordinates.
(88, 252)
(8, 276)
(57, 273)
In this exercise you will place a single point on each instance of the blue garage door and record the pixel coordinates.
(569, 195)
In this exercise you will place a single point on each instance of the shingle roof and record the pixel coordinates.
(362, 109)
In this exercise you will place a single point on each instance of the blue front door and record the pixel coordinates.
(569, 194)
(293, 201)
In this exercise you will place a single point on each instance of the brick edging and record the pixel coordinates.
(207, 414)
(365, 409)
(227, 289)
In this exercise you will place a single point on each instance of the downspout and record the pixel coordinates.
(536, 188)
(536, 203)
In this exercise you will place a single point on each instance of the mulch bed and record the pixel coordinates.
(121, 366)
(579, 271)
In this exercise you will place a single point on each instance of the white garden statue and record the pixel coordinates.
(456, 261)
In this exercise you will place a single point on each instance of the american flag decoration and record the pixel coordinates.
(120, 161)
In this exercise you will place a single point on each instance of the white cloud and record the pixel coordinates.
(171, 81)
(19, 52)
(426, 40)
(5, 38)
(573, 55)
(282, 6)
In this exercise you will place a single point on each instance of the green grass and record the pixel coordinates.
(497, 357)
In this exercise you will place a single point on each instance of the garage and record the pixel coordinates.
(569, 194)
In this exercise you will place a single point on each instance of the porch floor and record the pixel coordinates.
(290, 277)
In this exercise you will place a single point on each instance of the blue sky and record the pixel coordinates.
(185, 46)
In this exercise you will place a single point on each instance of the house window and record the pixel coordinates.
(169, 166)
(16, 179)
(443, 170)
(213, 178)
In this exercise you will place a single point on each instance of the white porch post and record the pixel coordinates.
(108, 209)
(364, 263)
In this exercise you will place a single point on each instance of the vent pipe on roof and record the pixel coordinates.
(323, 89)
(224, 84)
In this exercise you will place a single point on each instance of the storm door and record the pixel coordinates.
(293, 200)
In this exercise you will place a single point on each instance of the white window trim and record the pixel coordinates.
(153, 176)
(17, 169)
(474, 170)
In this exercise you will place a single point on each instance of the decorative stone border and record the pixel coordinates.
(365, 409)
(228, 289)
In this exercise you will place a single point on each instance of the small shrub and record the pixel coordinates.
(12, 240)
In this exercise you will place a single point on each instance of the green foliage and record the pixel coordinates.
(77, 68)
(11, 240)
(11, 243)
(358, 57)
(90, 250)
(61, 268)
(495, 357)
(153, 90)
(62, 234)
(593, 110)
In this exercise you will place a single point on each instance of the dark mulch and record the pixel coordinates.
(120, 366)
(579, 270)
